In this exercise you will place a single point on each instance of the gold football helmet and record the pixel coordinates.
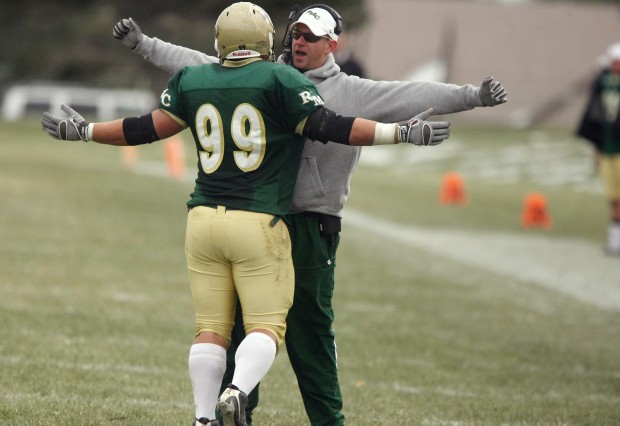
(244, 30)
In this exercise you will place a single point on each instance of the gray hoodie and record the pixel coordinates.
(324, 177)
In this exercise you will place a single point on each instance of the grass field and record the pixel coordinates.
(444, 315)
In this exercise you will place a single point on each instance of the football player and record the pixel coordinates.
(249, 118)
(323, 183)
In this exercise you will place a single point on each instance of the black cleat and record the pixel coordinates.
(203, 421)
(232, 405)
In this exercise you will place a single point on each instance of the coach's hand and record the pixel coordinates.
(420, 132)
(72, 128)
(128, 32)
(492, 92)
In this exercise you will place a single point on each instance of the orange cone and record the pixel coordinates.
(175, 157)
(452, 189)
(129, 156)
(535, 212)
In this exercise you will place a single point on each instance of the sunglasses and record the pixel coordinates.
(309, 37)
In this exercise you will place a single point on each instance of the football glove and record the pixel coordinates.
(128, 32)
(492, 92)
(417, 131)
(72, 128)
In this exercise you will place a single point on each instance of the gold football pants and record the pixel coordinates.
(237, 253)
(610, 174)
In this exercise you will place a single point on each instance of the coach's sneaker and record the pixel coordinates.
(203, 421)
(232, 405)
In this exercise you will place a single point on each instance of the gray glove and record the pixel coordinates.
(420, 132)
(72, 128)
(128, 32)
(492, 92)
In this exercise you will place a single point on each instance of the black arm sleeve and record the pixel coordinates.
(324, 125)
(139, 130)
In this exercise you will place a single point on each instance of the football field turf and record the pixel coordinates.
(445, 315)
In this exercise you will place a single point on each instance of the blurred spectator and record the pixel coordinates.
(600, 125)
(345, 59)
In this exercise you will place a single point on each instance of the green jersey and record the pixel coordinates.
(246, 121)
(611, 108)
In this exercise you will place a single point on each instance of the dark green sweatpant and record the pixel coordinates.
(309, 336)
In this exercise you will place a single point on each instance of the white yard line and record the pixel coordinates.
(574, 267)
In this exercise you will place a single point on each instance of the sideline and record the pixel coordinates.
(571, 266)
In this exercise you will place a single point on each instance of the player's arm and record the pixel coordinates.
(325, 125)
(169, 57)
(122, 132)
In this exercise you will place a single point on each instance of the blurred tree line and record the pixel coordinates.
(71, 41)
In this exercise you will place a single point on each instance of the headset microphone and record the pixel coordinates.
(286, 40)
(293, 13)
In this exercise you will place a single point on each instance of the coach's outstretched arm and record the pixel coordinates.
(169, 57)
(374, 96)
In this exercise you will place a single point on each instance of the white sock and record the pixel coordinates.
(613, 242)
(253, 359)
(207, 363)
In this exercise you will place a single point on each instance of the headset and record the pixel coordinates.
(287, 40)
